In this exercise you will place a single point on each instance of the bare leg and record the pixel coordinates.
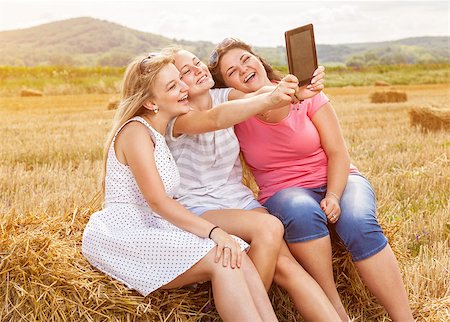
(307, 295)
(309, 298)
(315, 257)
(386, 284)
(263, 231)
(232, 296)
(259, 294)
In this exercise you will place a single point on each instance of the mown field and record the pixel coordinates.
(50, 165)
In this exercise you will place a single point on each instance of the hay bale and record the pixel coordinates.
(381, 83)
(44, 277)
(430, 119)
(247, 177)
(113, 104)
(30, 92)
(388, 97)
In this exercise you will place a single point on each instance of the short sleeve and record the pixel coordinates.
(219, 95)
(315, 103)
(169, 131)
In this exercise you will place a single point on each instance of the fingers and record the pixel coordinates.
(331, 209)
(219, 252)
(283, 93)
(319, 70)
(295, 98)
(231, 254)
(226, 256)
(290, 79)
(318, 85)
(239, 256)
(333, 217)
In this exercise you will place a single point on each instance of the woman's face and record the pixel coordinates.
(243, 71)
(170, 93)
(193, 72)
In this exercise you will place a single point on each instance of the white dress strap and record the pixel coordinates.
(141, 120)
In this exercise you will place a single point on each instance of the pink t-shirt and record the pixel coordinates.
(286, 154)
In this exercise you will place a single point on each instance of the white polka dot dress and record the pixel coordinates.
(129, 241)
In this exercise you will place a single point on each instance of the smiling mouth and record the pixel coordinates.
(202, 79)
(249, 77)
(184, 98)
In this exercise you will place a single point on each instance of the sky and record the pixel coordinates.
(260, 23)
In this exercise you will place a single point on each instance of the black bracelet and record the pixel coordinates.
(209, 235)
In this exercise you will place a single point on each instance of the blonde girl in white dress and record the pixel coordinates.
(143, 237)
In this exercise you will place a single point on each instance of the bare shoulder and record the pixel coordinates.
(133, 138)
(131, 132)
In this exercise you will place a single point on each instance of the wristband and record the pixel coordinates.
(334, 195)
(212, 229)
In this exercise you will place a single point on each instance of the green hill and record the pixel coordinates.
(92, 42)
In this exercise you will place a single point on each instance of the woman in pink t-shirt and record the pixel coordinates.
(301, 164)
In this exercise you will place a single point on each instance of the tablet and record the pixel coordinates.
(301, 53)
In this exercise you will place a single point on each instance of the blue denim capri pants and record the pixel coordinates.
(299, 210)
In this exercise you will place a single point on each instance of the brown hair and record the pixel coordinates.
(222, 48)
(137, 83)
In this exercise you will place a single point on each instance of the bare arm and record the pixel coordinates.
(334, 146)
(302, 93)
(232, 112)
(236, 94)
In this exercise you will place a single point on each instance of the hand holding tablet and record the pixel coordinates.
(301, 53)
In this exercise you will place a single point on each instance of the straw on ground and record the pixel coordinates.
(50, 162)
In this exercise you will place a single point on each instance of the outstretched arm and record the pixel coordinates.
(302, 93)
(232, 112)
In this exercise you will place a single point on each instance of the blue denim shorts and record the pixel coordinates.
(299, 210)
(200, 210)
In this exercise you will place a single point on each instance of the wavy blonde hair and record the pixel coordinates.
(136, 89)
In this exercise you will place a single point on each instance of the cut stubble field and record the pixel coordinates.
(50, 167)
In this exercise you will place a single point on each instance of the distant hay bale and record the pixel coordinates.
(381, 83)
(113, 104)
(30, 92)
(430, 119)
(388, 97)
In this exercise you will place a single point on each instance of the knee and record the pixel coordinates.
(295, 206)
(247, 264)
(269, 231)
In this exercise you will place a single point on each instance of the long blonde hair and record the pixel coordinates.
(137, 83)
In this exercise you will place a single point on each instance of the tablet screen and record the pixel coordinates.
(301, 51)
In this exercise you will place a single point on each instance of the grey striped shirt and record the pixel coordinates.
(209, 166)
